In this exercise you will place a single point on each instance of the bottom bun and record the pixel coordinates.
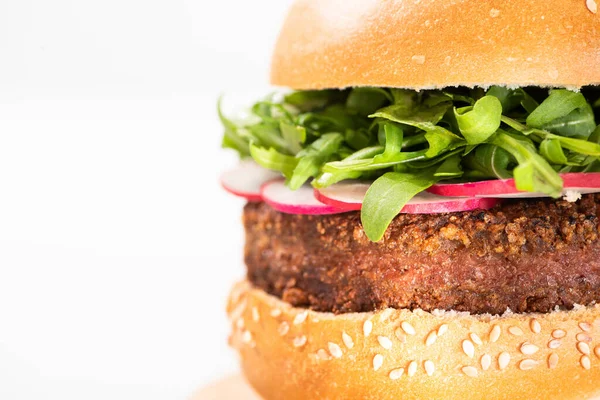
(294, 353)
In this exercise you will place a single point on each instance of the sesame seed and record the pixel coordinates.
(486, 362)
(322, 354)
(552, 360)
(420, 59)
(255, 315)
(535, 326)
(300, 318)
(429, 367)
(431, 338)
(347, 340)
(585, 326)
(367, 327)
(240, 323)
(503, 360)
(442, 329)
(246, 337)
(515, 330)
(385, 342)
(470, 371)
(494, 12)
(377, 361)
(583, 348)
(597, 351)
(592, 6)
(585, 362)
(412, 368)
(299, 341)
(334, 350)
(408, 328)
(583, 337)
(284, 328)
(528, 348)
(468, 348)
(475, 339)
(526, 364)
(558, 334)
(554, 344)
(276, 312)
(495, 333)
(396, 373)
(400, 335)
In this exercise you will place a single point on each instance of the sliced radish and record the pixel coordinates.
(505, 188)
(246, 180)
(349, 196)
(301, 201)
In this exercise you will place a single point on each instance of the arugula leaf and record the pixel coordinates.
(450, 167)
(310, 100)
(272, 159)
(367, 100)
(313, 157)
(293, 135)
(329, 178)
(533, 174)
(478, 122)
(489, 161)
(232, 138)
(387, 196)
(552, 151)
(564, 112)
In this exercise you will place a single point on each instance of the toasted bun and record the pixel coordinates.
(421, 44)
(292, 353)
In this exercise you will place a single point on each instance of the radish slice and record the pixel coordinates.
(505, 188)
(349, 196)
(301, 201)
(246, 180)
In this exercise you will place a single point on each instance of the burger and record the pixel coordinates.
(422, 220)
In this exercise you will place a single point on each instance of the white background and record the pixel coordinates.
(117, 246)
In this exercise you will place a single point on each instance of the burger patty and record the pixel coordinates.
(527, 255)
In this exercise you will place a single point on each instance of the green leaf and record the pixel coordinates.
(450, 168)
(310, 100)
(272, 159)
(367, 100)
(564, 112)
(533, 173)
(313, 157)
(489, 161)
(552, 151)
(329, 178)
(479, 122)
(232, 138)
(441, 140)
(393, 143)
(581, 146)
(387, 196)
(420, 117)
(293, 135)
(509, 98)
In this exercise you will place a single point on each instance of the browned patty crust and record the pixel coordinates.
(526, 255)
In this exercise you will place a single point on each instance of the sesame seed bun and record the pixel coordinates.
(292, 353)
(422, 44)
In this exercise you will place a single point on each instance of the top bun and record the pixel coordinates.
(424, 44)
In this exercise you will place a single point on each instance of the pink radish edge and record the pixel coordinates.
(302, 201)
(246, 180)
(349, 196)
(582, 182)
